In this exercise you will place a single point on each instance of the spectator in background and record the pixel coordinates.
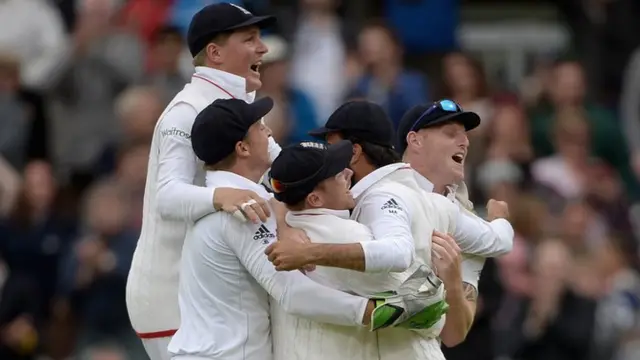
(505, 143)
(385, 81)
(107, 60)
(163, 72)
(20, 316)
(465, 82)
(568, 169)
(145, 17)
(567, 90)
(560, 315)
(500, 179)
(10, 187)
(630, 109)
(95, 271)
(34, 32)
(605, 193)
(293, 114)
(14, 117)
(529, 217)
(617, 328)
(106, 351)
(24, 114)
(137, 109)
(508, 137)
(130, 176)
(37, 232)
(319, 54)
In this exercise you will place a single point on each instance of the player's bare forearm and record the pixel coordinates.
(345, 256)
(462, 299)
(281, 212)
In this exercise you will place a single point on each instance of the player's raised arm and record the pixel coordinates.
(485, 238)
(177, 196)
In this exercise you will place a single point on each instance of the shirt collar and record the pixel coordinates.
(339, 213)
(228, 179)
(233, 85)
(375, 176)
(424, 183)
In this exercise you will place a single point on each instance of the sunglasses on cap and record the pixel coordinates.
(446, 106)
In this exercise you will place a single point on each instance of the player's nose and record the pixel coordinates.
(261, 48)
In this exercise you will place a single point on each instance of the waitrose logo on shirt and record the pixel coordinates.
(175, 132)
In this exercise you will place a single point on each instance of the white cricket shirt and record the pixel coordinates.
(477, 238)
(393, 224)
(225, 283)
(389, 215)
(174, 197)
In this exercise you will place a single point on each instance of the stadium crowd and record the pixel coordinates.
(82, 83)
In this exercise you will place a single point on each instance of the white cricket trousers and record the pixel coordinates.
(157, 348)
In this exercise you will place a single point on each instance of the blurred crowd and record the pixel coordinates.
(82, 83)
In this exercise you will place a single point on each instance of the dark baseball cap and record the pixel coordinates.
(218, 18)
(360, 119)
(218, 128)
(440, 112)
(301, 167)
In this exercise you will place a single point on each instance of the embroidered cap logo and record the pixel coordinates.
(245, 11)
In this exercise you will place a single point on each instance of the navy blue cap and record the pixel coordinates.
(218, 128)
(218, 18)
(301, 167)
(361, 119)
(439, 112)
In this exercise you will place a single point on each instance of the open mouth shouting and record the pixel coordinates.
(458, 157)
(255, 68)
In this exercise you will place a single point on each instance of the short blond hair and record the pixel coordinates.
(201, 57)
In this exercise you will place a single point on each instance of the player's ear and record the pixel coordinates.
(414, 139)
(314, 200)
(214, 53)
(242, 149)
(357, 153)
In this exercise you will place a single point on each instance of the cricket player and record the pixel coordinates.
(433, 140)
(225, 42)
(225, 278)
(389, 199)
(314, 181)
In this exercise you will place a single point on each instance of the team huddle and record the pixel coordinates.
(347, 247)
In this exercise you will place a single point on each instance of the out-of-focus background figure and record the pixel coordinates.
(557, 84)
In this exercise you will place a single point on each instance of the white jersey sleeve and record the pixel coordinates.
(294, 292)
(388, 217)
(471, 267)
(177, 196)
(478, 237)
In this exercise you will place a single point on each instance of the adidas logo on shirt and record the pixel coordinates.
(391, 205)
(263, 234)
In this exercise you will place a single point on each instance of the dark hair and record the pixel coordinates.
(481, 76)
(377, 155)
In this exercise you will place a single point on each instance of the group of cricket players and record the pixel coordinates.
(360, 245)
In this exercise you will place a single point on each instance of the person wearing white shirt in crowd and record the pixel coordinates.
(314, 181)
(225, 278)
(433, 140)
(390, 199)
(224, 41)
